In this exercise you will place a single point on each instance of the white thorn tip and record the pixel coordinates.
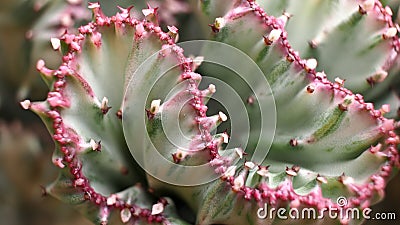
(112, 199)
(274, 35)
(94, 5)
(104, 103)
(391, 32)
(339, 81)
(347, 180)
(322, 179)
(95, 145)
(230, 172)
(79, 182)
(368, 5)
(26, 104)
(240, 152)
(219, 23)
(291, 172)
(125, 215)
(238, 183)
(225, 138)
(157, 209)
(385, 108)
(389, 10)
(212, 88)
(147, 12)
(380, 76)
(155, 106)
(74, 2)
(263, 172)
(222, 116)
(58, 162)
(311, 64)
(55, 43)
(198, 60)
(250, 165)
(40, 64)
(173, 29)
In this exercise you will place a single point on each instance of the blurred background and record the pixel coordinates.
(26, 27)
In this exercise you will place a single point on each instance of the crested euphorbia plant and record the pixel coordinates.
(123, 78)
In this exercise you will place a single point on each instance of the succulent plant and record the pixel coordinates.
(125, 107)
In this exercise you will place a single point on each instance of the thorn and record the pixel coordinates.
(225, 137)
(345, 180)
(87, 196)
(212, 88)
(149, 11)
(104, 106)
(240, 152)
(310, 89)
(74, 2)
(157, 208)
(173, 32)
(284, 18)
(125, 215)
(289, 58)
(385, 108)
(311, 64)
(321, 179)
(375, 149)
(112, 199)
(119, 114)
(230, 172)
(96, 146)
(273, 36)
(26, 104)
(339, 81)
(218, 24)
(249, 165)
(58, 162)
(378, 77)
(293, 142)
(361, 10)
(55, 43)
(342, 107)
(93, 5)
(179, 155)
(222, 116)
(155, 106)
(139, 30)
(197, 61)
(296, 168)
(320, 75)
(388, 10)
(238, 183)
(366, 6)
(79, 182)
(163, 201)
(263, 171)
(291, 172)
(390, 33)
